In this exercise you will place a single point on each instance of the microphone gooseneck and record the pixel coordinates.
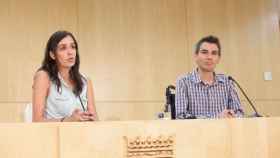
(247, 98)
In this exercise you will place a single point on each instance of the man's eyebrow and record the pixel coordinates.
(204, 50)
(215, 51)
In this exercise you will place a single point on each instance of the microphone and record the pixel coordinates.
(256, 114)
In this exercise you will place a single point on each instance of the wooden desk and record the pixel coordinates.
(228, 138)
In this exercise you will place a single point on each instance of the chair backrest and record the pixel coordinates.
(170, 100)
(27, 114)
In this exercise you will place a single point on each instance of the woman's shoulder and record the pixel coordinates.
(85, 78)
(41, 76)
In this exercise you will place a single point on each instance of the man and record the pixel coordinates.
(203, 93)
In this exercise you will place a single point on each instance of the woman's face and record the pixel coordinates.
(65, 55)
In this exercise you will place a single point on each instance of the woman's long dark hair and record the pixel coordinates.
(50, 66)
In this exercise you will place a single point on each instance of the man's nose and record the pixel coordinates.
(209, 56)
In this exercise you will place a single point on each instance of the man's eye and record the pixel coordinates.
(203, 52)
(214, 53)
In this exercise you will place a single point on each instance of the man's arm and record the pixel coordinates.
(234, 101)
(181, 99)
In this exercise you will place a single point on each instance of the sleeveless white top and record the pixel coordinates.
(62, 103)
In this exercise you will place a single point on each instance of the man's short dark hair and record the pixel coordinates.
(209, 39)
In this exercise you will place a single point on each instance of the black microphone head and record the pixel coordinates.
(168, 91)
(171, 87)
(230, 78)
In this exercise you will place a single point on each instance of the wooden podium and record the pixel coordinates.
(224, 138)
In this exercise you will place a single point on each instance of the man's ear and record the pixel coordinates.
(52, 55)
(218, 60)
(195, 55)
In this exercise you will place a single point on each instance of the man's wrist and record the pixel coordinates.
(62, 119)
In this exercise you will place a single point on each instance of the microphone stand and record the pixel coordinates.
(256, 114)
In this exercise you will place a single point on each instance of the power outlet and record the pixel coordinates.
(267, 76)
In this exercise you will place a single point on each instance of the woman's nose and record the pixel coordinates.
(70, 51)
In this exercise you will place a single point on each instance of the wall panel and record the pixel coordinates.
(133, 49)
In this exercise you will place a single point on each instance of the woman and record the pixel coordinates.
(60, 92)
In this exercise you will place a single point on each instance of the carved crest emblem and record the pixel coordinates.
(149, 147)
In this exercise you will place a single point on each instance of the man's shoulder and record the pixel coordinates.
(222, 78)
(185, 77)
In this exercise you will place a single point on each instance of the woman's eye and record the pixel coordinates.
(62, 48)
(73, 46)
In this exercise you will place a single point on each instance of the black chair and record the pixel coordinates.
(170, 101)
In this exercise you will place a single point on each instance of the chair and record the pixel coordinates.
(170, 100)
(27, 114)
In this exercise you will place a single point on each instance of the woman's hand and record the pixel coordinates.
(91, 116)
(80, 116)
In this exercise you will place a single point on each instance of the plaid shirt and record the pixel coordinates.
(195, 98)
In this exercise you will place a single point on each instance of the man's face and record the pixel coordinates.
(207, 57)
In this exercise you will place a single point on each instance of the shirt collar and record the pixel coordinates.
(196, 78)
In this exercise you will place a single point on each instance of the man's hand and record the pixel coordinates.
(227, 113)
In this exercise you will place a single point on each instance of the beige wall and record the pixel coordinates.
(132, 49)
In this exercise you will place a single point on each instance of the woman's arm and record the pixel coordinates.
(91, 102)
(40, 88)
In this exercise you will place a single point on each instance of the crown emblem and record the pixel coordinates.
(148, 147)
